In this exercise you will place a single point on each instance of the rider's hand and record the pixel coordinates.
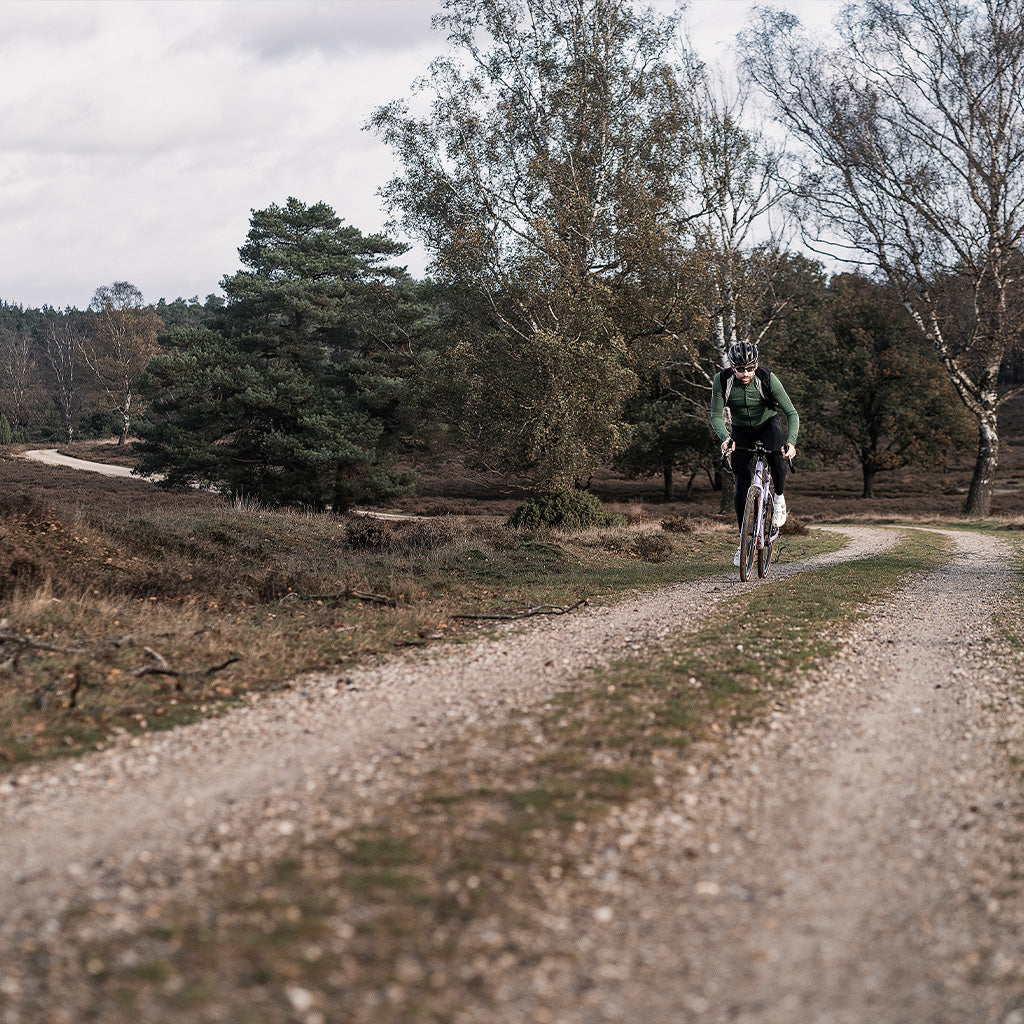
(789, 451)
(727, 446)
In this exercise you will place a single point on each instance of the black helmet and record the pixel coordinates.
(743, 355)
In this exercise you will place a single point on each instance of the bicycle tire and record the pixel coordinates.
(764, 554)
(748, 533)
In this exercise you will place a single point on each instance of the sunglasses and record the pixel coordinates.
(745, 369)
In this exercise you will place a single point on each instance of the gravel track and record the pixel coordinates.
(854, 860)
(850, 861)
(235, 774)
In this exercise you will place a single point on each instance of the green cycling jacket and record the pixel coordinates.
(749, 409)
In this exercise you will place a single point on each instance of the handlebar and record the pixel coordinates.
(758, 449)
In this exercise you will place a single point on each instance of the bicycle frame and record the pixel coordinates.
(758, 533)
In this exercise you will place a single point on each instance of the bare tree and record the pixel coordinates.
(738, 252)
(912, 131)
(63, 342)
(17, 368)
(738, 184)
(120, 345)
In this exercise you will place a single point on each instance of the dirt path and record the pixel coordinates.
(853, 861)
(52, 457)
(243, 772)
(857, 861)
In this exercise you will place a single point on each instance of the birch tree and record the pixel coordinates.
(912, 145)
(18, 358)
(63, 342)
(120, 345)
(739, 184)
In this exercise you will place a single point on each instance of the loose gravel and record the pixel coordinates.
(854, 859)
(851, 860)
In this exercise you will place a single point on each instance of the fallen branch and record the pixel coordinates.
(345, 595)
(160, 660)
(24, 643)
(39, 645)
(179, 673)
(542, 609)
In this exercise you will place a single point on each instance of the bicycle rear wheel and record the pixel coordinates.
(767, 552)
(748, 534)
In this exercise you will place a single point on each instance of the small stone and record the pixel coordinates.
(300, 998)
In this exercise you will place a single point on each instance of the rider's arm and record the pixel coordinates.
(786, 405)
(718, 409)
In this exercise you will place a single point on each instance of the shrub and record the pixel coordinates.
(794, 527)
(368, 534)
(677, 524)
(566, 510)
(398, 536)
(6, 434)
(654, 547)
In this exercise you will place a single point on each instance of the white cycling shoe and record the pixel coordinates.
(780, 516)
(736, 559)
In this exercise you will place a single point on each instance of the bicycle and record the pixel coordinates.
(758, 533)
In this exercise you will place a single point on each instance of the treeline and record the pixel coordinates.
(325, 366)
(69, 374)
(603, 222)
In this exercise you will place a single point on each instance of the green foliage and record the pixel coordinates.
(565, 510)
(292, 392)
(878, 390)
(667, 429)
(552, 232)
(6, 434)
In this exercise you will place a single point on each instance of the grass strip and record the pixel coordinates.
(1010, 618)
(425, 907)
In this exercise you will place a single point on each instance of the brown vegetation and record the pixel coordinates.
(123, 606)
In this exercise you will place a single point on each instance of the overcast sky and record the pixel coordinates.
(139, 136)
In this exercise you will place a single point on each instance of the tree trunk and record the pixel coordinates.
(666, 472)
(868, 473)
(979, 496)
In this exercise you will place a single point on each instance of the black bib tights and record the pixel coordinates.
(769, 434)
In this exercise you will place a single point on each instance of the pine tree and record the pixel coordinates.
(273, 400)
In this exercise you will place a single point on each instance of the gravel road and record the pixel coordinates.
(851, 860)
(854, 860)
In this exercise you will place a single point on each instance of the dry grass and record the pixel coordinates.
(123, 607)
(126, 607)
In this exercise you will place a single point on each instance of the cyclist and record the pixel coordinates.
(753, 395)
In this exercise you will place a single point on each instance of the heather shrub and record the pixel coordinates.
(571, 511)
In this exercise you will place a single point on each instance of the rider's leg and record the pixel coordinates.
(741, 463)
(773, 441)
(777, 464)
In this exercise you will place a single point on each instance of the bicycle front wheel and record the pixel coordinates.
(748, 534)
(767, 550)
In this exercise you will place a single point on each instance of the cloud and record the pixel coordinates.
(282, 32)
(138, 136)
